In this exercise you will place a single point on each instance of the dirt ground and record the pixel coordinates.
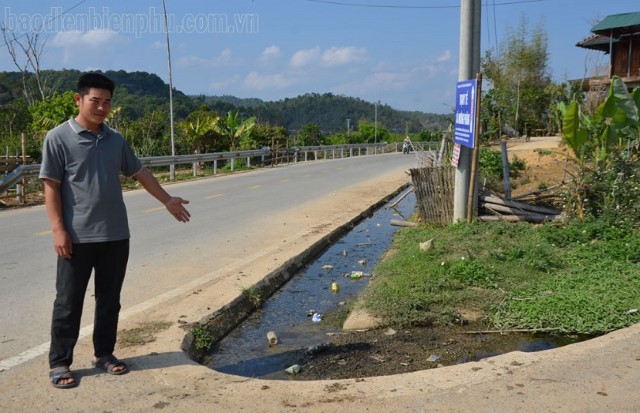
(387, 351)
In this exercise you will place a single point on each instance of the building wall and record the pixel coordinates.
(621, 57)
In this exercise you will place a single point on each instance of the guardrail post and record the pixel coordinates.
(20, 193)
(232, 164)
(215, 167)
(248, 161)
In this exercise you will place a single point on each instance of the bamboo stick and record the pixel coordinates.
(539, 191)
(519, 205)
(399, 223)
(401, 198)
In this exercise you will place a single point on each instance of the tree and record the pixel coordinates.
(370, 133)
(27, 62)
(233, 128)
(14, 119)
(146, 134)
(266, 135)
(518, 77)
(51, 112)
(310, 135)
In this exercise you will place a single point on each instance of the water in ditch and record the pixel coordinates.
(325, 287)
(310, 307)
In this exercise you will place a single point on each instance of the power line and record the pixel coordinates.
(397, 6)
(43, 23)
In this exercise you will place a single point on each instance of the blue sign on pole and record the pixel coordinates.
(464, 132)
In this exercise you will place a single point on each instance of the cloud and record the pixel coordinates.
(94, 38)
(388, 81)
(303, 58)
(224, 59)
(337, 56)
(259, 82)
(270, 53)
(444, 56)
(334, 56)
(81, 45)
(220, 85)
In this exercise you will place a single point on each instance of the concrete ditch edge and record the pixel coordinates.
(221, 322)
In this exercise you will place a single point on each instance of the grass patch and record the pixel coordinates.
(578, 278)
(253, 295)
(142, 335)
(202, 339)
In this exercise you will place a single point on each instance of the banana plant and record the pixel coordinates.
(233, 128)
(613, 127)
(620, 115)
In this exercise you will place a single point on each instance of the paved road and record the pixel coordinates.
(166, 255)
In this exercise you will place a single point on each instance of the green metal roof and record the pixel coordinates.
(618, 24)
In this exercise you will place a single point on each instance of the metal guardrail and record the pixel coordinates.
(14, 177)
(298, 153)
(201, 157)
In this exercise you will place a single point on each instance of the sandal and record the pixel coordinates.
(60, 373)
(109, 363)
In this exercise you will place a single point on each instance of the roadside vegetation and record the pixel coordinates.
(578, 276)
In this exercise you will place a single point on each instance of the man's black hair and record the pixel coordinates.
(94, 80)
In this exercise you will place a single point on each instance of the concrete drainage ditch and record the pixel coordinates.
(234, 338)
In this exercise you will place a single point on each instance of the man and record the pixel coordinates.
(81, 164)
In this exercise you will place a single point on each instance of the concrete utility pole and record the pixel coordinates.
(172, 167)
(469, 65)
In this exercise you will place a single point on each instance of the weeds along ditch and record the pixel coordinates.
(313, 303)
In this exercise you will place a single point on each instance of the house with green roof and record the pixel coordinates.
(617, 35)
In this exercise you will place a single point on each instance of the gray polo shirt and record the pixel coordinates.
(88, 169)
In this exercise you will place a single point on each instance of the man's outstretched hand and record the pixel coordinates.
(175, 206)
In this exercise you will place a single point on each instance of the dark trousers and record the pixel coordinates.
(109, 262)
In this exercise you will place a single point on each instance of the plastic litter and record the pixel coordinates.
(295, 369)
(272, 338)
(316, 317)
(357, 274)
(433, 358)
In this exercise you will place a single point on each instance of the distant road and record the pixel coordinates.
(164, 253)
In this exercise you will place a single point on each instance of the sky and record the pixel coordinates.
(401, 53)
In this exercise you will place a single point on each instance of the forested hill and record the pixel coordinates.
(332, 113)
(141, 92)
(136, 92)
